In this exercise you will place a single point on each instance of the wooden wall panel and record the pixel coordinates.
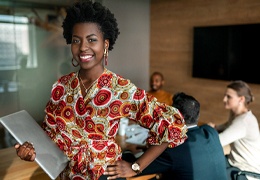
(171, 47)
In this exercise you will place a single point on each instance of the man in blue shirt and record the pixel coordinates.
(200, 157)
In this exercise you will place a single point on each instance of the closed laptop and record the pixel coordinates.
(23, 128)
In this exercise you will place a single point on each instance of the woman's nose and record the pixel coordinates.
(84, 46)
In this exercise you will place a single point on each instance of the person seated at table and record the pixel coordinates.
(201, 157)
(156, 89)
(241, 131)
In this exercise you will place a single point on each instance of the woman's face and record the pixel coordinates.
(88, 45)
(231, 100)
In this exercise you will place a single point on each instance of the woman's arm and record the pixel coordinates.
(236, 130)
(124, 169)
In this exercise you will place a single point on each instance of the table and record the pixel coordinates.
(12, 167)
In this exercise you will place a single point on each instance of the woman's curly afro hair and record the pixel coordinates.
(87, 11)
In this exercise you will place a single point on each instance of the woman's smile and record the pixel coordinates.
(86, 58)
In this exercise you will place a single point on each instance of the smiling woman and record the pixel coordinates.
(85, 107)
(54, 57)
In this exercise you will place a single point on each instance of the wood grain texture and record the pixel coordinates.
(12, 167)
(171, 47)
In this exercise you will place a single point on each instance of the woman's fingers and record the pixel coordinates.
(16, 146)
(26, 151)
(30, 156)
(119, 169)
(33, 156)
(111, 172)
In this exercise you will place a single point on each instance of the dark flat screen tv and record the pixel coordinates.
(230, 52)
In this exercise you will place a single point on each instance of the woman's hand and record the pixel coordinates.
(119, 169)
(25, 151)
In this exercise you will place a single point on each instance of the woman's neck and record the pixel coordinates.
(90, 75)
(239, 111)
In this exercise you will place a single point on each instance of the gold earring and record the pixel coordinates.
(105, 55)
(72, 62)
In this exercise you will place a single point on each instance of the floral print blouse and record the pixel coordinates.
(85, 128)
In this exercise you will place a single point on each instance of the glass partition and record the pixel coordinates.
(32, 57)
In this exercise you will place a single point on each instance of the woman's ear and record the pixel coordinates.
(242, 99)
(106, 44)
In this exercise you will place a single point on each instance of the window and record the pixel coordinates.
(17, 44)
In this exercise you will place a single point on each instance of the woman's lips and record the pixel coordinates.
(85, 58)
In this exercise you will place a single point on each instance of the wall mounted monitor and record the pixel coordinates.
(229, 52)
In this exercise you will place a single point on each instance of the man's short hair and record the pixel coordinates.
(188, 106)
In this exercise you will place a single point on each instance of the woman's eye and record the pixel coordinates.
(75, 41)
(92, 40)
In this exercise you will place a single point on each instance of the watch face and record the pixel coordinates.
(135, 167)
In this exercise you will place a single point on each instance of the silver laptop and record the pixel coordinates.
(24, 128)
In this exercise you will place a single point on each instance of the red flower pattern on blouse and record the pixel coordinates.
(80, 106)
(124, 95)
(74, 83)
(65, 79)
(114, 108)
(68, 113)
(139, 94)
(100, 128)
(103, 112)
(50, 120)
(50, 107)
(60, 107)
(113, 130)
(80, 122)
(125, 108)
(98, 145)
(85, 127)
(111, 151)
(76, 133)
(61, 124)
(162, 126)
(57, 92)
(95, 136)
(102, 98)
(90, 125)
(122, 82)
(147, 120)
(105, 80)
(90, 110)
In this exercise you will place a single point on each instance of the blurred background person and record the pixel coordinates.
(241, 131)
(156, 89)
(200, 157)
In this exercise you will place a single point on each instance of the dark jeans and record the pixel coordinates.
(232, 172)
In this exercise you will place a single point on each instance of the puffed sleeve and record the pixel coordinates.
(165, 123)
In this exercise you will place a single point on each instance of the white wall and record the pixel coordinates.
(130, 56)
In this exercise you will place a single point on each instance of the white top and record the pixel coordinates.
(244, 138)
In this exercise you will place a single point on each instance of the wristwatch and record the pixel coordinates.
(136, 168)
